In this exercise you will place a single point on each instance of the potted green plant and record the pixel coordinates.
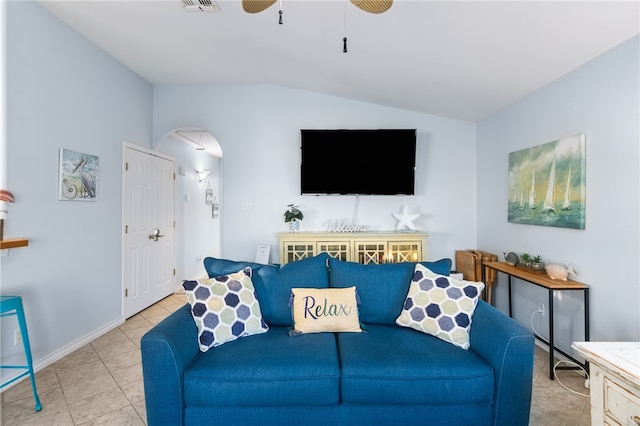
(537, 263)
(525, 260)
(292, 216)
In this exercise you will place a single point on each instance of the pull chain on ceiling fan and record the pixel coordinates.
(371, 6)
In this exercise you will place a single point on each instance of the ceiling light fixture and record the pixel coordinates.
(202, 174)
(371, 6)
(198, 144)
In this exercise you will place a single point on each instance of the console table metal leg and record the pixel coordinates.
(586, 323)
(510, 309)
(551, 343)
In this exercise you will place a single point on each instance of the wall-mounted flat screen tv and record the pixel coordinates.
(358, 162)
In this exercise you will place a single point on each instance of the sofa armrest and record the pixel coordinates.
(509, 348)
(167, 349)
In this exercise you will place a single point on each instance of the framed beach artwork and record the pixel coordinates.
(78, 176)
(547, 184)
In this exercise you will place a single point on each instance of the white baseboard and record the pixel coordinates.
(62, 352)
(542, 345)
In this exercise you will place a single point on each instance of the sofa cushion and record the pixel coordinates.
(224, 308)
(216, 267)
(393, 365)
(319, 310)
(270, 369)
(382, 288)
(441, 306)
(273, 283)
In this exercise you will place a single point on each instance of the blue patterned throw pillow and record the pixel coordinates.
(440, 306)
(224, 308)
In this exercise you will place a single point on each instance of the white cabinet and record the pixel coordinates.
(362, 247)
(614, 381)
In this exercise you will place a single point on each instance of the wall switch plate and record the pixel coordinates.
(17, 338)
(541, 309)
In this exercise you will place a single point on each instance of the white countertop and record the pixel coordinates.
(623, 357)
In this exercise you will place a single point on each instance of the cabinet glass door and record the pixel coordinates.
(336, 249)
(404, 252)
(370, 252)
(298, 251)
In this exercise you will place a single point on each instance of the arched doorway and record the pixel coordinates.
(198, 197)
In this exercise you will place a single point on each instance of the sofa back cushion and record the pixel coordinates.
(217, 267)
(273, 283)
(382, 288)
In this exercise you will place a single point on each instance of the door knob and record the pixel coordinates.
(155, 235)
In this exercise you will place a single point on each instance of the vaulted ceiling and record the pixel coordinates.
(459, 59)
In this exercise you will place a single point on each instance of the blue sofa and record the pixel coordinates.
(386, 375)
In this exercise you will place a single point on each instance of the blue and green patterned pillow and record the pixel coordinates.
(224, 308)
(440, 306)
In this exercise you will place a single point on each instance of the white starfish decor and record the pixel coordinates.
(405, 219)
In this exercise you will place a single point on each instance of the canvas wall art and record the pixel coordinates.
(547, 184)
(78, 176)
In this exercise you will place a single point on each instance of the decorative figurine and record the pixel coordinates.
(559, 272)
(511, 258)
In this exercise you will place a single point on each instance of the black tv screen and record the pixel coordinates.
(362, 162)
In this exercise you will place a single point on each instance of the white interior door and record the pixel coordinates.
(149, 226)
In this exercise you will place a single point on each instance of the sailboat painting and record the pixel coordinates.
(553, 176)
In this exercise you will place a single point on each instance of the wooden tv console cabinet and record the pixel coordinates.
(362, 247)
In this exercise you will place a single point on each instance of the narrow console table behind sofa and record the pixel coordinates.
(361, 247)
(543, 280)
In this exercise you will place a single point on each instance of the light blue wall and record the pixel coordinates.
(600, 99)
(258, 127)
(63, 91)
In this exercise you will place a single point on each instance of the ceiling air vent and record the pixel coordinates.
(200, 6)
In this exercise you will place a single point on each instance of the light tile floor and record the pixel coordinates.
(101, 384)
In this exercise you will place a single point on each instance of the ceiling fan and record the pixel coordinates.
(371, 6)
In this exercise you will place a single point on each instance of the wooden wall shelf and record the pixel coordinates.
(13, 243)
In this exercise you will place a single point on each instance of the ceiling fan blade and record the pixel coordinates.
(373, 6)
(256, 6)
